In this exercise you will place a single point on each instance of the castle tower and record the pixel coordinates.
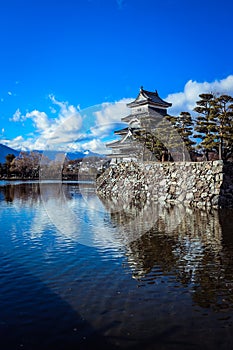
(146, 110)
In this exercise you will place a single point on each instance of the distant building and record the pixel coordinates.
(147, 110)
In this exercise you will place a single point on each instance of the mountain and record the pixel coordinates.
(77, 155)
(72, 155)
(4, 151)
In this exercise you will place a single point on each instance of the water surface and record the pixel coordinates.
(80, 273)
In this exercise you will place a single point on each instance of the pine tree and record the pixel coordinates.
(224, 110)
(184, 126)
(206, 123)
(152, 146)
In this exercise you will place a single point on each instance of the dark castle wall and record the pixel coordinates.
(196, 184)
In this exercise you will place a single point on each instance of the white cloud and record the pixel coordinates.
(112, 111)
(16, 116)
(186, 100)
(16, 143)
(96, 146)
(18, 138)
(50, 131)
(108, 115)
(73, 130)
(40, 120)
(69, 122)
(52, 110)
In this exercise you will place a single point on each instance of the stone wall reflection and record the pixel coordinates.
(192, 245)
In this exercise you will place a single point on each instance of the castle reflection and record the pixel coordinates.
(194, 246)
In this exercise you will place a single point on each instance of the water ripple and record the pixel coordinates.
(170, 285)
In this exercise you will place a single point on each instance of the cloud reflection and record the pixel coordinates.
(156, 241)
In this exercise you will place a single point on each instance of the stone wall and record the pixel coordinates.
(196, 184)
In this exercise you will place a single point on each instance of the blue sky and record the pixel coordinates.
(68, 67)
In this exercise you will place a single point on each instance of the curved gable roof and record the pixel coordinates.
(150, 97)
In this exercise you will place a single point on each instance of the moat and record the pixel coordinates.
(81, 273)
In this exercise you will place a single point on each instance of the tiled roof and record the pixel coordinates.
(149, 96)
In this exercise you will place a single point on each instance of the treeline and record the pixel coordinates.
(212, 128)
(207, 135)
(34, 165)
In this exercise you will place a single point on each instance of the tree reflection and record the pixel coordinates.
(20, 192)
(30, 192)
(190, 245)
(193, 245)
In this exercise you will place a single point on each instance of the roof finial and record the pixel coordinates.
(141, 88)
(156, 93)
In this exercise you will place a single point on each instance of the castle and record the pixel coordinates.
(147, 112)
